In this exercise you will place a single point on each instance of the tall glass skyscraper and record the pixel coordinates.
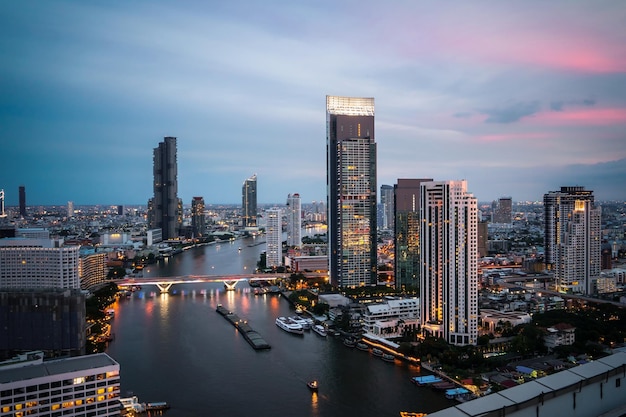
(351, 190)
(386, 202)
(294, 220)
(449, 262)
(273, 238)
(197, 216)
(248, 202)
(165, 208)
(407, 232)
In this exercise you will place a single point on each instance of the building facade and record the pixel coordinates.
(165, 208)
(92, 271)
(387, 203)
(38, 263)
(82, 386)
(198, 222)
(294, 220)
(407, 232)
(351, 187)
(22, 197)
(503, 211)
(273, 238)
(573, 238)
(449, 264)
(248, 203)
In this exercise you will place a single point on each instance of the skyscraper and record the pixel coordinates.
(274, 233)
(503, 210)
(351, 185)
(572, 238)
(70, 209)
(449, 262)
(386, 200)
(294, 220)
(407, 232)
(197, 216)
(165, 207)
(22, 196)
(248, 202)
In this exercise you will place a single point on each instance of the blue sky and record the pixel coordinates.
(518, 98)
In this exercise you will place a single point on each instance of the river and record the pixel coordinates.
(176, 348)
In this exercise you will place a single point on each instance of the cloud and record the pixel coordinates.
(512, 112)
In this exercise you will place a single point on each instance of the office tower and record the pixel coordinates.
(386, 200)
(165, 206)
(503, 210)
(38, 263)
(22, 196)
(120, 210)
(294, 220)
(274, 241)
(407, 232)
(448, 257)
(572, 238)
(351, 187)
(82, 386)
(70, 209)
(483, 239)
(50, 320)
(248, 202)
(197, 216)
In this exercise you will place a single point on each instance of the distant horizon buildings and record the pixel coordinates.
(407, 200)
(572, 236)
(449, 262)
(294, 220)
(249, 202)
(273, 238)
(351, 185)
(165, 208)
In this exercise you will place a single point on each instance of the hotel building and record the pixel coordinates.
(351, 187)
(274, 241)
(165, 209)
(449, 264)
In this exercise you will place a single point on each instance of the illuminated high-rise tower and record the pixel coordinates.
(273, 239)
(572, 238)
(165, 207)
(449, 262)
(197, 216)
(294, 220)
(248, 202)
(351, 190)
(386, 202)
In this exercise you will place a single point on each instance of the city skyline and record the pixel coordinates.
(518, 99)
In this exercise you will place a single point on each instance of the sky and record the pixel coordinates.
(518, 98)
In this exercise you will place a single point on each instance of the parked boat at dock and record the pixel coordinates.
(320, 330)
(388, 357)
(362, 346)
(426, 379)
(289, 326)
(377, 352)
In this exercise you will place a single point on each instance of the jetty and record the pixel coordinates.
(252, 337)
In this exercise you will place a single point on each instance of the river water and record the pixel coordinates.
(176, 348)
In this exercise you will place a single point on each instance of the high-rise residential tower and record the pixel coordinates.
(165, 207)
(197, 216)
(572, 238)
(351, 190)
(449, 262)
(273, 239)
(22, 197)
(386, 201)
(407, 232)
(70, 209)
(248, 202)
(503, 211)
(294, 220)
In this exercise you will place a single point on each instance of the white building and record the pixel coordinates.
(561, 334)
(78, 386)
(494, 318)
(274, 241)
(38, 263)
(33, 233)
(294, 220)
(449, 262)
(389, 319)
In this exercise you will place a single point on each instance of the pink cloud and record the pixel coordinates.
(513, 137)
(584, 117)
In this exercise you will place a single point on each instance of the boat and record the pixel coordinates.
(388, 357)
(349, 342)
(289, 326)
(161, 405)
(299, 310)
(456, 392)
(362, 346)
(306, 325)
(377, 352)
(443, 385)
(313, 385)
(426, 379)
(319, 329)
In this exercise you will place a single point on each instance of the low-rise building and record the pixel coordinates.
(392, 317)
(561, 334)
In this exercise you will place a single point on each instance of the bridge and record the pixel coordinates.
(165, 283)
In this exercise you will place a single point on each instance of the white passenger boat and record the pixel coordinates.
(306, 325)
(289, 326)
(319, 329)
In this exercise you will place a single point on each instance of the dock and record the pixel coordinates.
(252, 337)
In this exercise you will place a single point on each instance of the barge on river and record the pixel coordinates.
(252, 337)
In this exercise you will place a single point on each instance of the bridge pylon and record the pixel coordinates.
(230, 285)
(164, 286)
